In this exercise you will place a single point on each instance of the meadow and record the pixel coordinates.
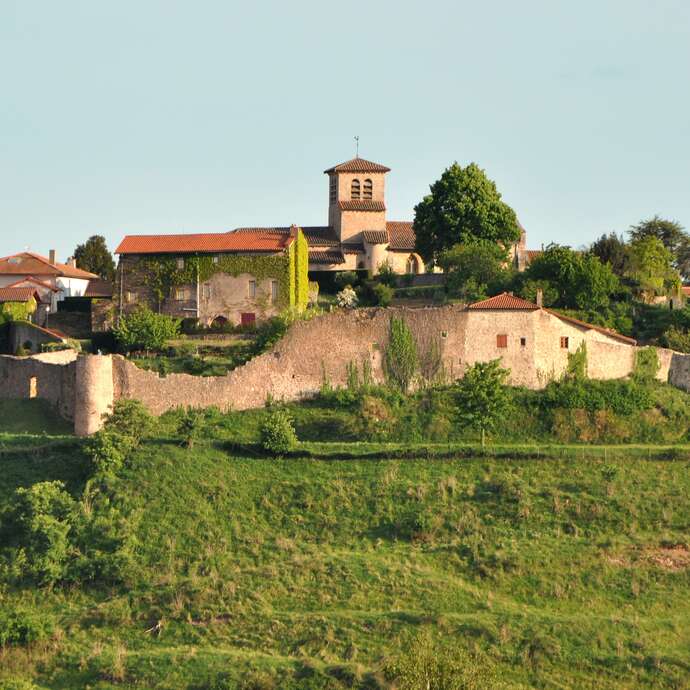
(337, 569)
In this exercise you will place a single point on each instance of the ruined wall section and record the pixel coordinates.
(50, 376)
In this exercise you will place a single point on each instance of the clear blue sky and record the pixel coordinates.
(147, 116)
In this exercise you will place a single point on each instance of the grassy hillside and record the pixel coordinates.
(253, 572)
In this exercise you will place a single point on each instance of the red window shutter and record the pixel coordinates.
(564, 342)
(248, 318)
(502, 340)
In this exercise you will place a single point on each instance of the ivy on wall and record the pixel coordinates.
(289, 269)
(17, 311)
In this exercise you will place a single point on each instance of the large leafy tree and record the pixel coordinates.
(670, 232)
(463, 207)
(611, 249)
(94, 256)
(578, 280)
(482, 396)
(651, 268)
(472, 269)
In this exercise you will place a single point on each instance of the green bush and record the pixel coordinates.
(22, 627)
(401, 360)
(278, 432)
(145, 330)
(129, 418)
(108, 450)
(37, 524)
(344, 278)
(374, 294)
(189, 427)
(619, 396)
(646, 365)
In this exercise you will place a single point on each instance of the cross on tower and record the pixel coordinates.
(357, 147)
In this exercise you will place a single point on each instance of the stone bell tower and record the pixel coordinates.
(356, 198)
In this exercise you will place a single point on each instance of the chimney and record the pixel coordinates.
(540, 297)
(51, 256)
(72, 262)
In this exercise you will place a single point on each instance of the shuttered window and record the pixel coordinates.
(502, 340)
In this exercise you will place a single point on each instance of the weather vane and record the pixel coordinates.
(356, 147)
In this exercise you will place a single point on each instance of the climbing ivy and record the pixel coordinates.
(17, 311)
(289, 269)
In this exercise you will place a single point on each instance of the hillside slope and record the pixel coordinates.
(262, 573)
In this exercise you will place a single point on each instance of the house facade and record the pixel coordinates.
(51, 280)
(214, 278)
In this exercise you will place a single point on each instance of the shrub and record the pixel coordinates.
(278, 432)
(189, 427)
(346, 298)
(145, 330)
(646, 365)
(38, 522)
(576, 369)
(108, 451)
(129, 418)
(400, 361)
(22, 627)
(386, 275)
(373, 420)
(345, 278)
(622, 397)
(676, 339)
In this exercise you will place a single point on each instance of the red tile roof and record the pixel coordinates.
(326, 256)
(99, 288)
(30, 264)
(686, 289)
(505, 301)
(249, 240)
(362, 205)
(589, 326)
(375, 236)
(533, 254)
(18, 294)
(316, 235)
(401, 234)
(357, 165)
(32, 280)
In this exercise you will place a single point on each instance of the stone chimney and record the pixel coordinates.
(540, 297)
(51, 256)
(72, 262)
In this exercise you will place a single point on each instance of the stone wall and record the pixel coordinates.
(84, 388)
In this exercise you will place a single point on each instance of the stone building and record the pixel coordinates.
(359, 234)
(214, 278)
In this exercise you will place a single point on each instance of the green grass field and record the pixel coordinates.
(318, 572)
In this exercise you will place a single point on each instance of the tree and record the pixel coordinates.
(471, 268)
(682, 259)
(143, 329)
(482, 396)
(611, 249)
(670, 232)
(464, 206)
(651, 268)
(580, 280)
(401, 359)
(93, 256)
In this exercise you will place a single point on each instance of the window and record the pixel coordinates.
(180, 294)
(247, 319)
(523, 342)
(274, 290)
(33, 387)
(216, 258)
(130, 297)
(180, 263)
(206, 291)
(251, 291)
(502, 340)
(333, 189)
(354, 190)
(564, 342)
(368, 190)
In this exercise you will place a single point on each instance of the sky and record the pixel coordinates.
(167, 116)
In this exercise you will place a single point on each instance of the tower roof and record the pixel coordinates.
(357, 165)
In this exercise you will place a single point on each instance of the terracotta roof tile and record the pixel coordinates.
(590, 326)
(326, 256)
(357, 165)
(316, 235)
(352, 247)
(34, 281)
(30, 264)
(401, 235)
(256, 240)
(362, 205)
(375, 236)
(18, 294)
(505, 301)
(99, 288)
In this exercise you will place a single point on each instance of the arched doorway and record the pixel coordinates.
(414, 265)
(219, 322)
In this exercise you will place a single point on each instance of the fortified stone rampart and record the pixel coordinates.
(85, 388)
